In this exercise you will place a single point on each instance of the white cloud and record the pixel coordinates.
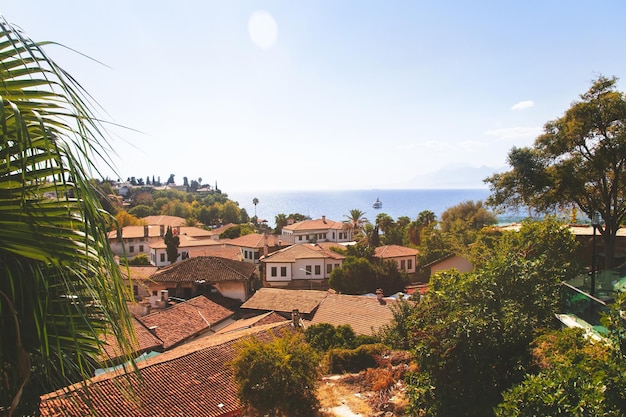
(515, 132)
(522, 105)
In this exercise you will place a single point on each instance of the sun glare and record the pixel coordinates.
(262, 29)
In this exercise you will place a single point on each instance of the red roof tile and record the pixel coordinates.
(301, 251)
(278, 299)
(191, 380)
(208, 268)
(184, 321)
(317, 224)
(394, 251)
(146, 342)
(364, 314)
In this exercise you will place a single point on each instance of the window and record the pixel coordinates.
(308, 270)
(410, 264)
(403, 265)
(300, 237)
(324, 236)
(333, 235)
(140, 248)
(273, 271)
(336, 265)
(131, 249)
(329, 268)
(154, 292)
(135, 290)
(162, 257)
(318, 269)
(283, 271)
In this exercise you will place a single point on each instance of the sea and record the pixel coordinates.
(336, 205)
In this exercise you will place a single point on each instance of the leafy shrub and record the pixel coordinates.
(139, 260)
(354, 360)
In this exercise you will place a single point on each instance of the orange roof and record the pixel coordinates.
(218, 251)
(364, 314)
(261, 319)
(186, 320)
(394, 251)
(208, 268)
(254, 240)
(317, 224)
(139, 273)
(185, 242)
(146, 341)
(277, 299)
(301, 251)
(190, 380)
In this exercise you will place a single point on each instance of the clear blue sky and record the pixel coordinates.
(328, 94)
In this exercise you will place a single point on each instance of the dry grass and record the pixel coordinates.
(334, 393)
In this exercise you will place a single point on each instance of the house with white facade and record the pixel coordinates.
(406, 258)
(188, 245)
(305, 265)
(319, 230)
(255, 245)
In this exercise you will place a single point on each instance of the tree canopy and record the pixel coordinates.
(578, 160)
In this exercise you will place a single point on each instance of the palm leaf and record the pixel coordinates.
(60, 286)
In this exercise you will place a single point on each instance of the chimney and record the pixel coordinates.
(145, 231)
(162, 230)
(324, 219)
(164, 295)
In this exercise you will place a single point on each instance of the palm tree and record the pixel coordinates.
(356, 219)
(255, 201)
(60, 288)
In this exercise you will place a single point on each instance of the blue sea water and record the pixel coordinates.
(336, 205)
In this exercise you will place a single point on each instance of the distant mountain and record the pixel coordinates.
(453, 177)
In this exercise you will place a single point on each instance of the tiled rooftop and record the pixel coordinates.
(277, 299)
(208, 268)
(184, 321)
(146, 341)
(261, 319)
(394, 251)
(254, 240)
(301, 251)
(364, 314)
(317, 224)
(191, 380)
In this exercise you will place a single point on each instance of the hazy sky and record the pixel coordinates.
(294, 95)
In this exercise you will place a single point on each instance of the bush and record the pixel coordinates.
(139, 260)
(354, 360)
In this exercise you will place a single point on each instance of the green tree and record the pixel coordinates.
(463, 221)
(361, 276)
(280, 221)
(576, 378)
(61, 288)
(172, 242)
(237, 231)
(277, 377)
(140, 211)
(473, 330)
(579, 160)
(324, 336)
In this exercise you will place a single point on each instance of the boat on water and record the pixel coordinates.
(377, 204)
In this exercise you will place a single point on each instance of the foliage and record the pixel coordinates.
(397, 334)
(340, 360)
(356, 220)
(576, 378)
(472, 331)
(140, 260)
(172, 242)
(60, 287)
(140, 211)
(361, 276)
(123, 219)
(237, 231)
(325, 336)
(464, 220)
(277, 377)
(579, 160)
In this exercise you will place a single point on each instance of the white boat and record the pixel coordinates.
(377, 204)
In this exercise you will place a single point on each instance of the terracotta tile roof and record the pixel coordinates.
(254, 240)
(164, 220)
(277, 299)
(191, 380)
(394, 251)
(146, 342)
(208, 268)
(261, 319)
(364, 314)
(219, 251)
(186, 320)
(301, 251)
(219, 230)
(329, 245)
(133, 232)
(139, 273)
(317, 224)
